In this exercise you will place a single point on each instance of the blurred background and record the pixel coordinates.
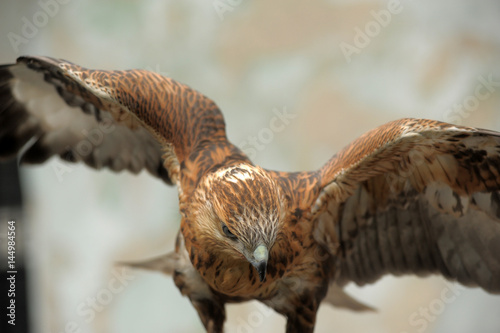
(337, 68)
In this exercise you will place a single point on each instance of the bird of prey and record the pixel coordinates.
(412, 196)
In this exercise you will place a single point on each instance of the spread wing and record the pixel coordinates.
(414, 197)
(42, 110)
(124, 120)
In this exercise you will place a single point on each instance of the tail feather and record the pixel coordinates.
(337, 297)
(164, 263)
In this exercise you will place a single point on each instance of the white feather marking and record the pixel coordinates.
(445, 200)
(41, 99)
(242, 176)
(245, 173)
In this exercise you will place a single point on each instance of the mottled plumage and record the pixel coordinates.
(412, 196)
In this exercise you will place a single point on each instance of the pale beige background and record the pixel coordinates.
(256, 57)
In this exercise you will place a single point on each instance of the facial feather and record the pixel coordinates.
(248, 201)
(237, 210)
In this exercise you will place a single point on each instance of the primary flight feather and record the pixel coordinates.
(412, 196)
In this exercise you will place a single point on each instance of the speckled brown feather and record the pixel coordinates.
(186, 123)
(411, 196)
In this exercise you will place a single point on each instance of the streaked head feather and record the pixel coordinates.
(247, 200)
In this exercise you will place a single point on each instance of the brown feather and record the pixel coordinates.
(411, 196)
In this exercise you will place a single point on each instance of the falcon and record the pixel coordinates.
(412, 196)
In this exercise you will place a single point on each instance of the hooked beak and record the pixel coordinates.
(260, 256)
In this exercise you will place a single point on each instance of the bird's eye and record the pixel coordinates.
(228, 233)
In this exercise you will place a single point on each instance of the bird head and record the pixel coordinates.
(238, 216)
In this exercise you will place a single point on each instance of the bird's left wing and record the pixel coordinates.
(414, 197)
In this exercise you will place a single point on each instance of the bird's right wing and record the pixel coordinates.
(44, 112)
(125, 120)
